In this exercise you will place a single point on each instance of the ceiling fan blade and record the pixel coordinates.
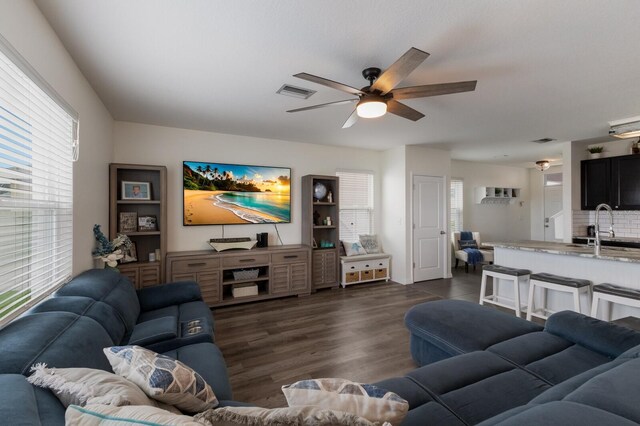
(351, 120)
(395, 107)
(433, 90)
(399, 70)
(346, 101)
(329, 83)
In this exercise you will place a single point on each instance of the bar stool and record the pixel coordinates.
(513, 275)
(545, 281)
(611, 293)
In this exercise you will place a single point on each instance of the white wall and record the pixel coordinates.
(393, 226)
(22, 24)
(146, 144)
(495, 222)
(426, 162)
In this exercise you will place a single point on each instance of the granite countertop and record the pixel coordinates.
(619, 254)
(605, 238)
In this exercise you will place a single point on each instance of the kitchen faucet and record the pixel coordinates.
(611, 233)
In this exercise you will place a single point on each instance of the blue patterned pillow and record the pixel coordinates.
(162, 378)
(367, 401)
(467, 244)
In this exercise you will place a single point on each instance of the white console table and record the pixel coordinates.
(364, 268)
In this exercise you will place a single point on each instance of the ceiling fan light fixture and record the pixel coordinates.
(542, 165)
(371, 108)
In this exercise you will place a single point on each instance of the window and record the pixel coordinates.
(37, 146)
(356, 204)
(456, 205)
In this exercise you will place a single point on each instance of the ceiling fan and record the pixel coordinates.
(380, 97)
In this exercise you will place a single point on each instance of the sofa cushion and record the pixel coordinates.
(559, 391)
(60, 339)
(604, 337)
(207, 360)
(104, 314)
(153, 331)
(550, 357)
(109, 287)
(615, 390)
(408, 389)
(557, 413)
(475, 386)
(445, 328)
(162, 378)
(27, 405)
(432, 413)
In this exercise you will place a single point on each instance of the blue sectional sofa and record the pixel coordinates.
(478, 365)
(97, 309)
(482, 366)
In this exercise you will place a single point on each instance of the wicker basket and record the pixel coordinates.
(245, 274)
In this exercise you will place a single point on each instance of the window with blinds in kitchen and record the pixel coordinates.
(356, 204)
(38, 145)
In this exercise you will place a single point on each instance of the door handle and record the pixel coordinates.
(442, 232)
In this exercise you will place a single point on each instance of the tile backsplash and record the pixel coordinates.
(625, 223)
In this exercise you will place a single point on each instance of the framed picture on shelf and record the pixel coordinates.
(147, 223)
(128, 222)
(136, 190)
(130, 255)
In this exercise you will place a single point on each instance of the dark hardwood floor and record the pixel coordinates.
(355, 333)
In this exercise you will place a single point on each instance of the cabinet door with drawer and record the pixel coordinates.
(210, 286)
(149, 275)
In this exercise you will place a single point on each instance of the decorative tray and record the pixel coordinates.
(243, 245)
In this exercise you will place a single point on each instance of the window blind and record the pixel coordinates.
(356, 204)
(38, 141)
(456, 205)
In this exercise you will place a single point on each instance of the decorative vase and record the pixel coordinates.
(595, 155)
(99, 263)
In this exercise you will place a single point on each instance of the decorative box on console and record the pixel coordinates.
(245, 290)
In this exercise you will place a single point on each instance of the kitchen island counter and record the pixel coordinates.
(615, 265)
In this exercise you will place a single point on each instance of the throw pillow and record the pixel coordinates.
(368, 401)
(290, 416)
(162, 378)
(353, 248)
(80, 386)
(370, 243)
(98, 415)
(467, 244)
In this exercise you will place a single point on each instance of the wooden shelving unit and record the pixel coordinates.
(315, 233)
(142, 273)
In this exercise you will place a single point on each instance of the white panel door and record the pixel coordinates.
(429, 228)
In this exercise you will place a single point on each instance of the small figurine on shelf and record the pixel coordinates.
(330, 197)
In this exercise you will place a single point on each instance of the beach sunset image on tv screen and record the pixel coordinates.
(225, 194)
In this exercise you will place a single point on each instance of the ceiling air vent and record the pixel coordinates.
(543, 140)
(296, 92)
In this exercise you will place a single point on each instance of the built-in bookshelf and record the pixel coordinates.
(126, 212)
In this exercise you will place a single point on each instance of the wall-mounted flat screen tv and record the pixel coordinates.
(229, 194)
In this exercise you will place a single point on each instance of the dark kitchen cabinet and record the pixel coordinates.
(625, 182)
(615, 181)
(596, 182)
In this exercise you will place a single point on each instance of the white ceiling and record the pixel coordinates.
(545, 68)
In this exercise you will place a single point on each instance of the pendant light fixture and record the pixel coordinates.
(542, 165)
